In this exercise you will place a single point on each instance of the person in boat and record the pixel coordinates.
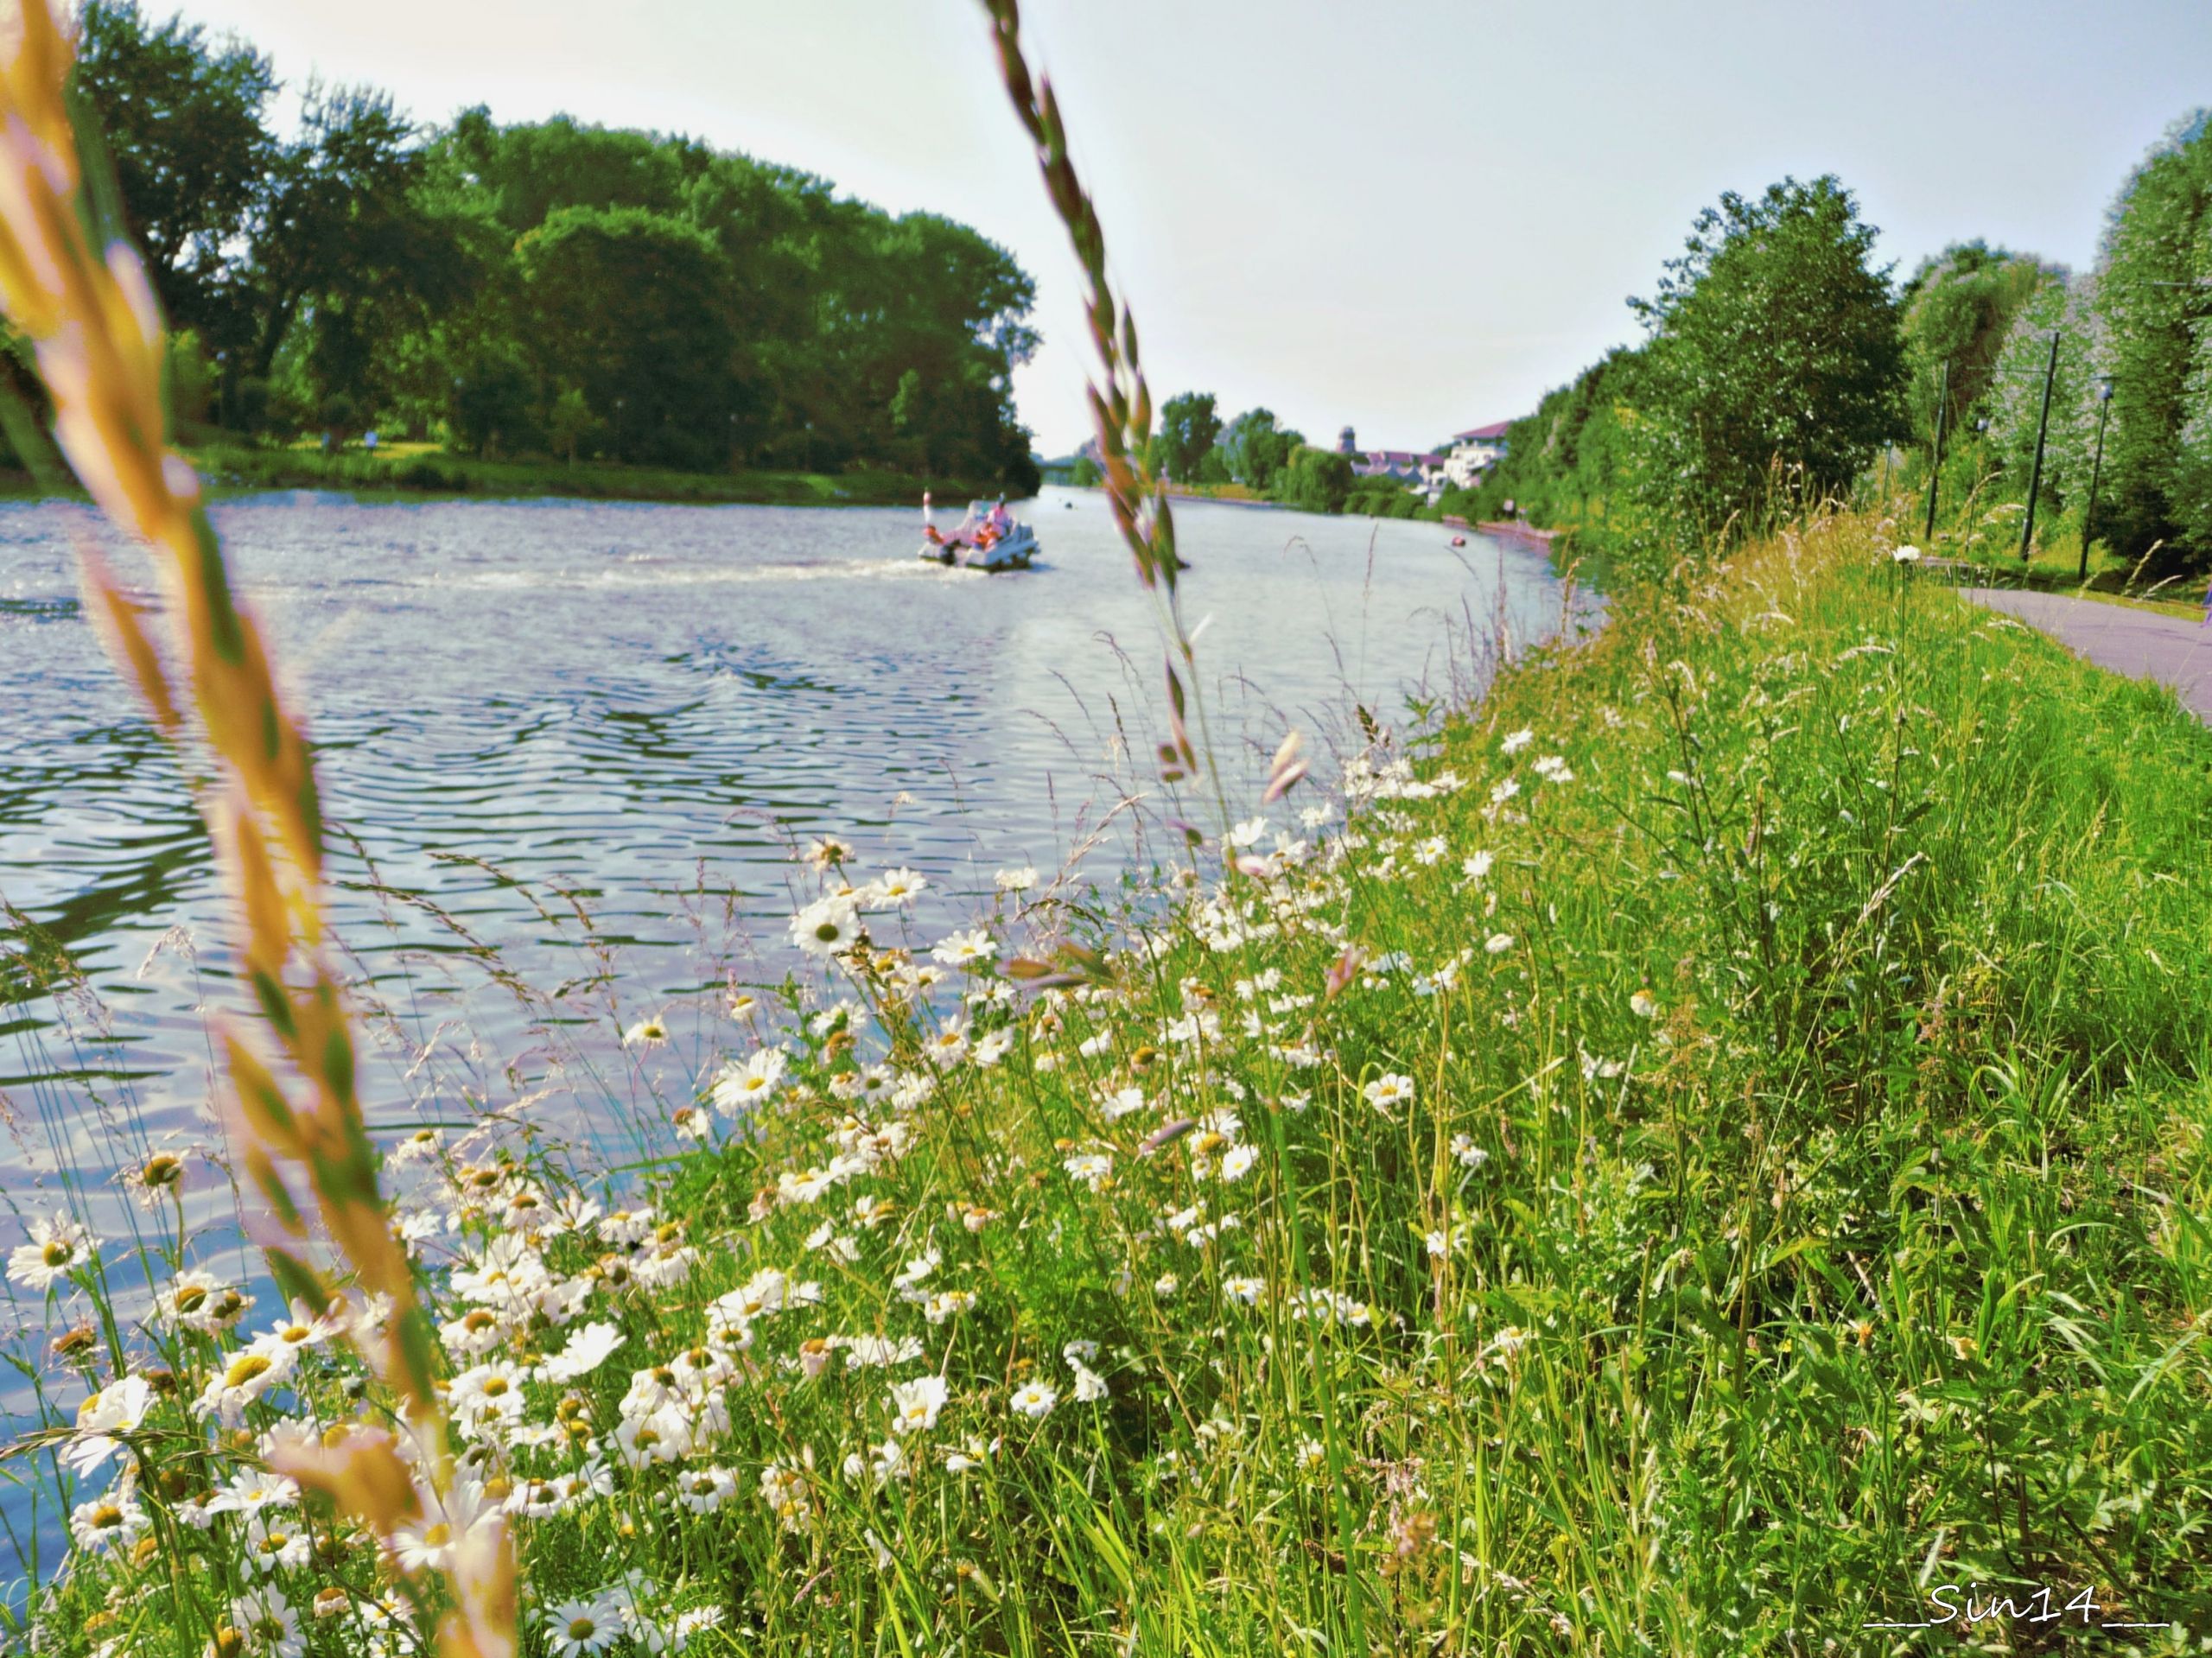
(932, 535)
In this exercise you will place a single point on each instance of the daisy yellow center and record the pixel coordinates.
(296, 1333)
(106, 1517)
(438, 1535)
(57, 1253)
(494, 1386)
(191, 1299)
(247, 1366)
(479, 1320)
(582, 1629)
(161, 1170)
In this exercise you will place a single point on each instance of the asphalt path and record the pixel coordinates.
(2141, 644)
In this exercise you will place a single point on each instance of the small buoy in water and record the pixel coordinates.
(1458, 541)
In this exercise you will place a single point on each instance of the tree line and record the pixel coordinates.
(1779, 363)
(1272, 462)
(551, 287)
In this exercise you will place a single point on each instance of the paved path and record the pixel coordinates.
(2141, 644)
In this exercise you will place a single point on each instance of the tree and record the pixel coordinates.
(345, 246)
(2154, 287)
(2014, 403)
(1958, 310)
(1256, 449)
(627, 306)
(1579, 449)
(1316, 480)
(183, 117)
(568, 421)
(1188, 429)
(491, 404)
(1774, 343)
(708, 307)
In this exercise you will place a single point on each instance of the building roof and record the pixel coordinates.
(1493, 433)
(1396, 462)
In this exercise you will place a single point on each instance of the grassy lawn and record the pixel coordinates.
(1712, 1151)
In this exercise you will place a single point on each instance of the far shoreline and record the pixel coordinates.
(229, 473)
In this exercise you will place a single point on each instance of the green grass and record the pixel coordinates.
(1772, 1189)
(424, 470)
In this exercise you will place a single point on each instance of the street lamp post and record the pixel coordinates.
(2097, 475)
(2034, 471)
(1936, 469)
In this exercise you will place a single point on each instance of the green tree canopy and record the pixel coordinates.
(182, 115)
(1958, 308)
(1316, 480)
(1256, 449)
(506, 284)
(2154, 289)
(629, 307)
(1774, 343)
(1188, 429)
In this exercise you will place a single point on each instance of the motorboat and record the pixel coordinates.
(986, 539)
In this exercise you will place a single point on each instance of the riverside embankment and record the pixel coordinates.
(1656, 1172)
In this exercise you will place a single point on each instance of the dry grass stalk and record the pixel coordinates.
(86, 303)
(1120, 412)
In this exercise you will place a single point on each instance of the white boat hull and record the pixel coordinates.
(1011, 551)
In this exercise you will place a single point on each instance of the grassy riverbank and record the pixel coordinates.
(1712, 1153)
(421, 470)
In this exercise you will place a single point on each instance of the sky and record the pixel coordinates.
(1407, 216)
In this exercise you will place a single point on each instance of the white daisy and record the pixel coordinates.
(753, 1082)
(58, 1245)
(107, 1525)
(826, 927)
(915, 1404)
(1033, 1400)
(577, 1629)
(966, 949)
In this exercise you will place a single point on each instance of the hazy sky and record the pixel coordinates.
(1410, 215)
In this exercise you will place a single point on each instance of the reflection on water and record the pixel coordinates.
(530, 711)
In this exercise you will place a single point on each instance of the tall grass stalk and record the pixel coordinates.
(1122, 415)
(84, 299)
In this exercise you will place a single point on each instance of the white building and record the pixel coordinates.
(1472, 453)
